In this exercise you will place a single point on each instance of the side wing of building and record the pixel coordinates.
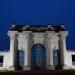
(4, 60)
(70, 59)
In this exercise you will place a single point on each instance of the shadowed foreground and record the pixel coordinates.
(71, 72)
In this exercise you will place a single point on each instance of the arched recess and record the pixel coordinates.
(38, 56)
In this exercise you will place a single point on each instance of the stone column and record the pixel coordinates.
(26, 47)
(13, 48)
(51, 65)
(62, 44)
(50, 52)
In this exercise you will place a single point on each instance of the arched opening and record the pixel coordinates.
(38, 56)
(20, 59)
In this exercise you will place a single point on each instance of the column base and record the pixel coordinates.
(65, 67)
(51, 67)
(26, 68)
(11, 68)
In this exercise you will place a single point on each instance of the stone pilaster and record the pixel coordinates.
(26, 47)
(13, 48)
(51, 65)
(50, 52)
(26, 61)
(62, 42)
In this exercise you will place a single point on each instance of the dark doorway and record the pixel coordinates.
(20, 59)
(38, 56)
(1, 61)
(73, 60)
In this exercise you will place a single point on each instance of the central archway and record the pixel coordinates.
(38, 56)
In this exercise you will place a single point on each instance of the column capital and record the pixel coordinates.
(52, 35)
(27, 32)
(63, 33)
(12, 34)
(50, 32)
(21, 35)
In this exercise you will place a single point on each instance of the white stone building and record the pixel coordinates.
(37, 47)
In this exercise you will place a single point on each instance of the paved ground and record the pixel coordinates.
(56, 72)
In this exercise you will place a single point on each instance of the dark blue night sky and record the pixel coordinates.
(37, 12)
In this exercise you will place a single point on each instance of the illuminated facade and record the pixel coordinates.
(37, 47)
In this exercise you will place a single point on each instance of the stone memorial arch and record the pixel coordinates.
(38, 44)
